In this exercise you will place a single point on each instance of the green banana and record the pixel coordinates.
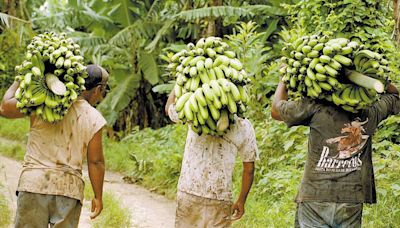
(208, 92)
(208, 63)
(314, 63)
(216, 88)
(214, 112)
(193, 104)
(223, 121)
(200, 97)
(320, 68)
(204, 77)
(182, 101)
(195, 83)
(200, 118)
(343, 60)
(235, 92)
(211, 124)
(332, 72)
(232, 107)
(236, 64)
(188, 111)
(219, 72)
(320, 77)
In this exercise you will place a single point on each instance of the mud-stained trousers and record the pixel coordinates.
(39, 211)
(199, 212)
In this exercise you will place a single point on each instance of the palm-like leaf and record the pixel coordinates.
(87, 40)
(266, 10)
(215, 11)
(75, 17)
(5, 19)
(164, 30)
(131, 33)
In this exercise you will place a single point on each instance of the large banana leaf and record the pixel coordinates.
(122, 12)
(119, 98)
(162, 32)
(215, 11)
(267, 10)
(131, 33)
(148, 66)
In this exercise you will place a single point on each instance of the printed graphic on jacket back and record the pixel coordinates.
(349, 148)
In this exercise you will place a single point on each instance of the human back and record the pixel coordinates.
(339, 162)
(59, 149)
(209, 161)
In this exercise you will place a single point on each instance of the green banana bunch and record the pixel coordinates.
(372, 64)
(319, 67)
(210, 85)
(353, 98)
(51, 76)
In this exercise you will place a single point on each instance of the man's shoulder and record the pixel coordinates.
(243, 123)
(85, 107)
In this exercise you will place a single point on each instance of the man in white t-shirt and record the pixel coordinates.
(204, 197)
(51, 186)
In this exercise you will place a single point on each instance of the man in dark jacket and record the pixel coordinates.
(338, 175)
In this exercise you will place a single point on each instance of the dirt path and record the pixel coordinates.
(148, 210)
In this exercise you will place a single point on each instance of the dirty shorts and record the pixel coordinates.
(328, 214)
(38, 211)
(195, 211)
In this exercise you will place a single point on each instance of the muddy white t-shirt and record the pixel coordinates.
(55, 152)
(208, 161)
(339, 160)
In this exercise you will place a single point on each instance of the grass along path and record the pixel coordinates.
(146, 209)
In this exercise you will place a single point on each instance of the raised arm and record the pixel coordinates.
(280, 94)
(247, 181)
(8, 107)
(171, 100)
(96, 172)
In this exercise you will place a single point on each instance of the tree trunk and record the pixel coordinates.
(213, 26)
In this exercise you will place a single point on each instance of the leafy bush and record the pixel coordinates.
(11, 54)
(149, 157)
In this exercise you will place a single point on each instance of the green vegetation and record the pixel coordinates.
(113, 215)
(5, 215)
(16, 129)
(132, 39)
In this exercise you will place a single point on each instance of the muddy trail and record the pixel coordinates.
(147, 209)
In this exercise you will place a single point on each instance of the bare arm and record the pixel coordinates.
(392, 89)
(247, 181)
(8, 107)
(171, 100)
(96, 172)
(280, 94)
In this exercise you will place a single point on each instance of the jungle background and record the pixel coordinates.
(131, 39)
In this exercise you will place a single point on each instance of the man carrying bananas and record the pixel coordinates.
(50, 188)
(204, 187)
(338, 176)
